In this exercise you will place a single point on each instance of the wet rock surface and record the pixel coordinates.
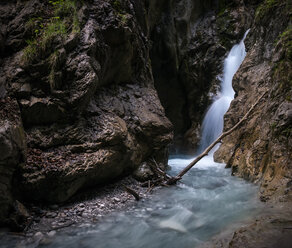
(270, 229)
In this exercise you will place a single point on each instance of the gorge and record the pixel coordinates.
(93, 91)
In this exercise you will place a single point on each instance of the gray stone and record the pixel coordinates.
(143, 172)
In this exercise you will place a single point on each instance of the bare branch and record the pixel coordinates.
(173, 180)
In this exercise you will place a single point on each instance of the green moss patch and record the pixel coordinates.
(62, 20)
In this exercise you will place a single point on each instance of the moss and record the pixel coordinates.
(282, 70)
(286, 40)
(265, 8)
(30, 52)
(273, 126)
(287, 132)
(63, 19)
(224, 7)
(117, 5)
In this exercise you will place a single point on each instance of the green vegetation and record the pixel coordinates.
(286, 39)
(282, 70)
(273, 126)
(53, 61)
(62, 20)
(287, 132)
(117, 5)
(120, 12)
(30, 52)
(265, 8)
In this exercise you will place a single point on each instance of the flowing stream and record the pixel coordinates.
(206, 201)
(213, 122)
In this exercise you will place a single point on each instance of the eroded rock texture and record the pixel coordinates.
(88, 103)
(13, 153)
(190, 42)
(260, 150)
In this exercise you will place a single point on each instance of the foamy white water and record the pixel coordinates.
(206, 201)
(212, 125)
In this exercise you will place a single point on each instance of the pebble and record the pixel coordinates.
(51, 214)
(81, 205)
(116, 199)
(52, 233)
(85, 215)
(38, 235)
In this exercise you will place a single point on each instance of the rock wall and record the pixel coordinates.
(80, 78)
(260, 150)
(13, 153)
(86, 95)
(190, 42)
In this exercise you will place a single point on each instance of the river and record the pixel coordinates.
(205, 202)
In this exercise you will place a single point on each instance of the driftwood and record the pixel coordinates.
(132, 192)
(173, 180)
(155, 168)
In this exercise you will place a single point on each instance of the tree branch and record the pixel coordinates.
(173, 180)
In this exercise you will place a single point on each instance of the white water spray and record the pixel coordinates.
(213, 122)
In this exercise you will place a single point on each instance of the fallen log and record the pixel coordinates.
(178, 177)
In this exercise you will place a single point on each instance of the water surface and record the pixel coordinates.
(206, 201)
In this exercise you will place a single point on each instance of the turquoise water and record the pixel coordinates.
(207, 200)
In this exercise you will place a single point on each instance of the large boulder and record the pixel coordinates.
(88, 103)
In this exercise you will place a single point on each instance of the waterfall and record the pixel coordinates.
(212, 125)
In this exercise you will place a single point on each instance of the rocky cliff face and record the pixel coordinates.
(190, 42)
(78, 78)
(86, 95)
(260, 151)
(13, 153)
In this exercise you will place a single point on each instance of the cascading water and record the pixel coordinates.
(212, 125)
(206, 201)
